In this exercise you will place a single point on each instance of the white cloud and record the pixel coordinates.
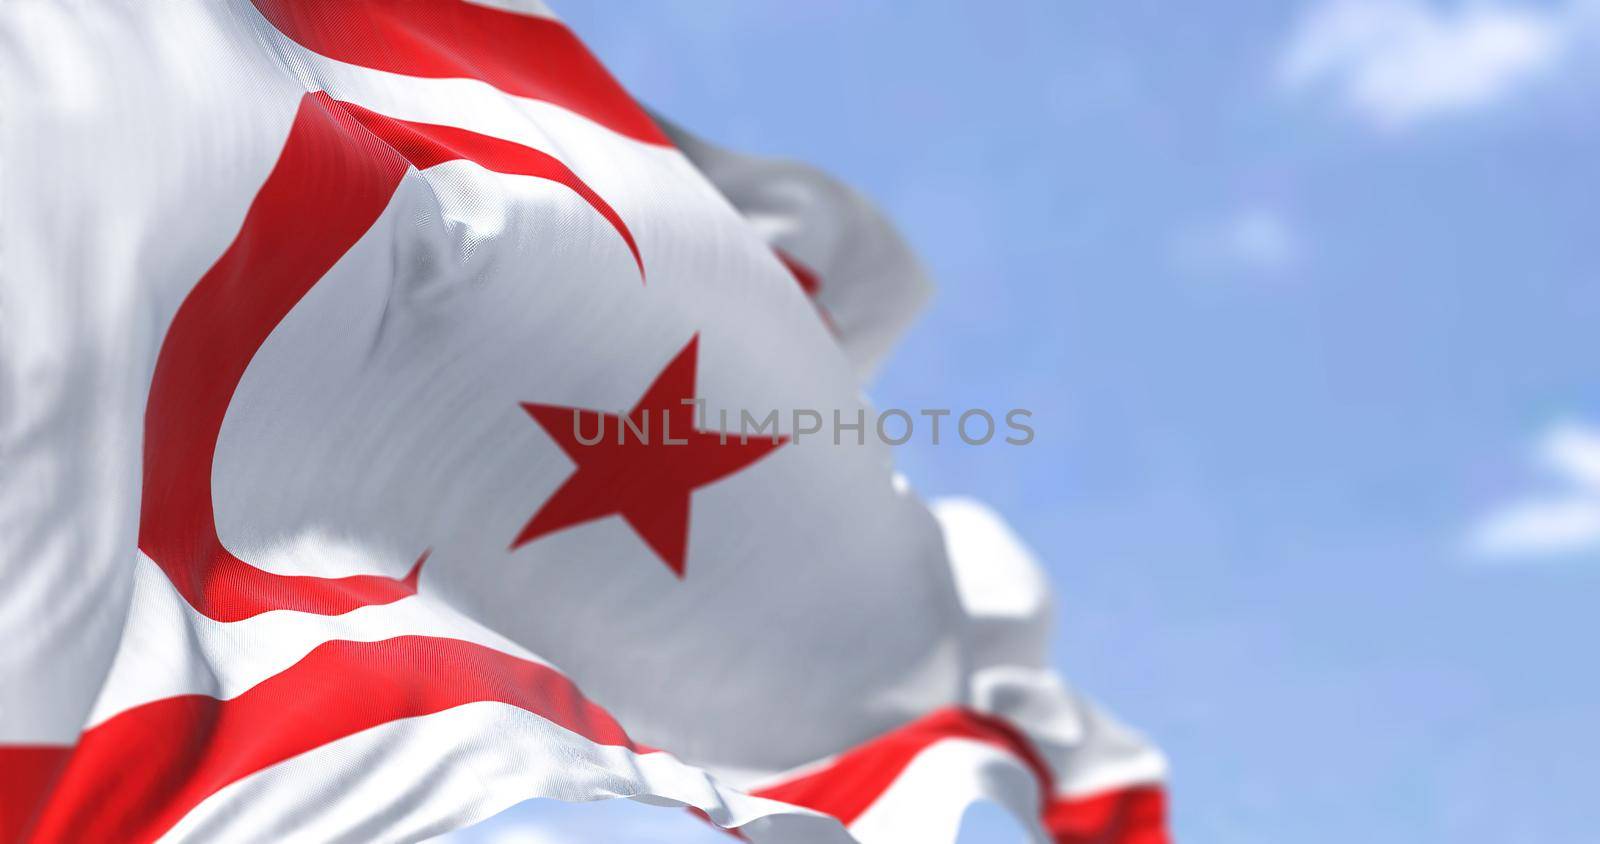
(530, 834)
(1257, 240)
(1398, 62)
(1552, 524)
(1261, 239)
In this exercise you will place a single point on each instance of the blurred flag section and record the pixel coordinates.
(302, 304)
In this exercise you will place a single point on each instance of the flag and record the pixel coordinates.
(399, 423)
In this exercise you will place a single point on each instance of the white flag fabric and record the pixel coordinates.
(310, 313)
(821, 230)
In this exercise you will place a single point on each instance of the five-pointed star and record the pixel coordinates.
(645, 480)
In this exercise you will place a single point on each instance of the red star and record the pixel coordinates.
(645, 480)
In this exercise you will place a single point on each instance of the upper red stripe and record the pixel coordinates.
(809, 282)
(135, 776)
(426, 145)
(524, 55)
(803, 275)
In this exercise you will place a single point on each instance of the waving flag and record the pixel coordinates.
(365, 388)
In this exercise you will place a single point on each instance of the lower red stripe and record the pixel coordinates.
(133, 777)
(855, 779)
(26, 774)
(1136, 815)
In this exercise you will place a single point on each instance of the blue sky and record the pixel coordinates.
(1303, 297)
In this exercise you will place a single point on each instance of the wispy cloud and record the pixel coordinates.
(1261, 239)
(1256, 240)
(530, 834)
(1399, 62)
(1559, 523)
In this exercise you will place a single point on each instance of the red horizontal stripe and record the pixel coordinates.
(809, 282)
(523, 55)
(803, 275)
(1136, 815)
(855, 779)
(27, 773)
(136, 775)
(426, 145)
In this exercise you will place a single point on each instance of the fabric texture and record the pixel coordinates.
(296, 302)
